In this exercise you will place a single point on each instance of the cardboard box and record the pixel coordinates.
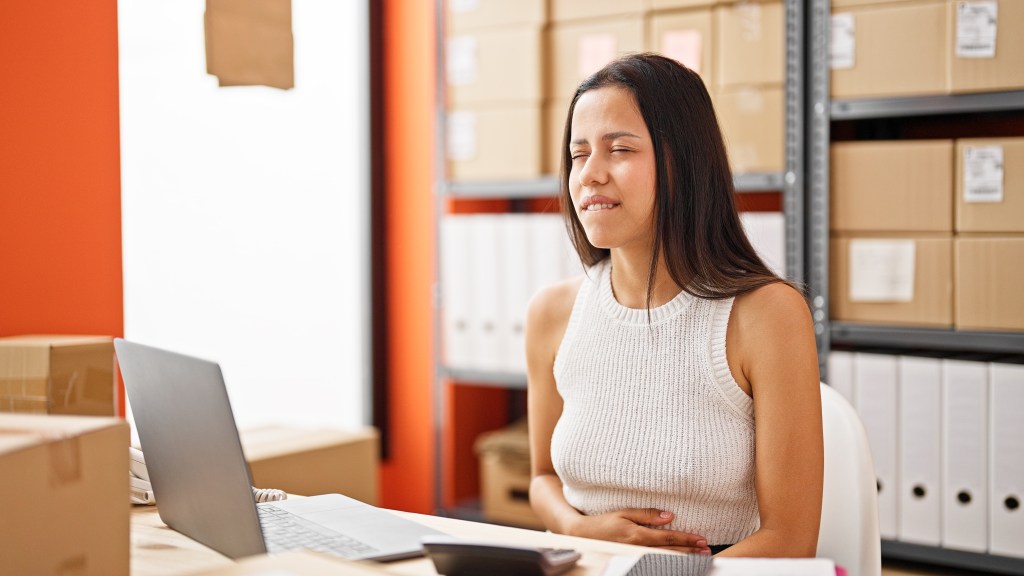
(674, 4)
(463, 15)
(555, 116)
(505, 476)
(569, 10)
(897, 49)
(65, 483)
(44, 374)
(494, 143)
(992, 57)
(989, 277)
(754, 126)
(892, 279)
(310, 462)
(495, 66)
(892, 186)
(990, 185)
(750, 43)
(688, 37)
(578, 49)
(250, 43)
(847, 3)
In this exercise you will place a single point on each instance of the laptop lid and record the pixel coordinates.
(193, 454)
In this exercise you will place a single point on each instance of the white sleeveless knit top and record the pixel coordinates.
(652, 417)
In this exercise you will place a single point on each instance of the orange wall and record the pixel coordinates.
(407, 478)
(60, 197)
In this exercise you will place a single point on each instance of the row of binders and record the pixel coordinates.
(947, 440)
(491, 265)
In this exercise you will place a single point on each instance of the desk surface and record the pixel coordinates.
(156, 550)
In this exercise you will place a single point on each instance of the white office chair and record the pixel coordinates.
(849, 506)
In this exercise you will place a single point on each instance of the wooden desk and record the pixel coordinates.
(156, 550)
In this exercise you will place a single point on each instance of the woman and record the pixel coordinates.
(673, 390)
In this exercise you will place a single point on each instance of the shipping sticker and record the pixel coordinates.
(881, 270)
(750, 22)
(976, 29)
(684, 46)
(461, 60)
(461, 135)
(843, 43)
(459, 6)
(983, 174)
(595, 50)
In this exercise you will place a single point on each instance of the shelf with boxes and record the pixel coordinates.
(914, 242)
(507, 72)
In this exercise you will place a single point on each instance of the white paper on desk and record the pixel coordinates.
(620, 566)
(881, 270)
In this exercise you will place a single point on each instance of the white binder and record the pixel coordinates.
(1006, 512)
(547, 249)
(876, 394)
(486, 292)
(840, 373)
(920, 450)
(455, 286)
(516, 290)
(965, 455)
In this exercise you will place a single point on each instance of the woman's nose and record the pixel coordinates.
(593, 172)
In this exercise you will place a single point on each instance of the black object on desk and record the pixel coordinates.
(456, 557)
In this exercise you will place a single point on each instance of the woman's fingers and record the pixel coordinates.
(647, 516)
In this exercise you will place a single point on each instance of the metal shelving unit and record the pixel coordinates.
(547, 187)
(907, 340)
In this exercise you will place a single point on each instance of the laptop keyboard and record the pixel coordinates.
(284, 531)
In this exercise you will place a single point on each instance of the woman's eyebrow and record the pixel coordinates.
(606, 137)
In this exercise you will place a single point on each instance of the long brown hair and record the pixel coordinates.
(697, 225)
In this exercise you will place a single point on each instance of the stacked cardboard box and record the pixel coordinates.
(57, 375)
(750, 76)
(892, 48)
(494, 89)
(928, 233)
(505, 476)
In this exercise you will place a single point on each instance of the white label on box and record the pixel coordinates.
(881, 270)
(684, 46)
(983, 174)
(749, 16)
(459, 6)
(843, 42)
(750, 101)
(461, 135)
(461, 60)
(595, 50)
(976, 29)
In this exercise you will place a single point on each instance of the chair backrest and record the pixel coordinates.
(849, 507)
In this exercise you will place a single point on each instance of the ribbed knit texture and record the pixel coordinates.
(652, 417)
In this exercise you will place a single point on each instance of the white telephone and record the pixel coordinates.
(141, 491)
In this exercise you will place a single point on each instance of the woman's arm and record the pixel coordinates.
(772, 352)
(547, 318)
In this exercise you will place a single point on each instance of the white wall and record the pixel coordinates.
(245, 211)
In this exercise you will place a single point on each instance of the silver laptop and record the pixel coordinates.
(201, 479)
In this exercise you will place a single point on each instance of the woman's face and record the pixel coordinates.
(612, 178)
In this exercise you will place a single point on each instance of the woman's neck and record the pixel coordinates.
(629, 281)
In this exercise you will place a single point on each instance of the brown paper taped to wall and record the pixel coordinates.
(250, 42)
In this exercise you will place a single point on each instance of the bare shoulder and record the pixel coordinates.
(775, 305)
(553, 303)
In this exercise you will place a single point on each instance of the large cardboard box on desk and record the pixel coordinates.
(65, 503)
(505, 476)
(45, 374)
(314, 461)
(892, 49)
(895, 279)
